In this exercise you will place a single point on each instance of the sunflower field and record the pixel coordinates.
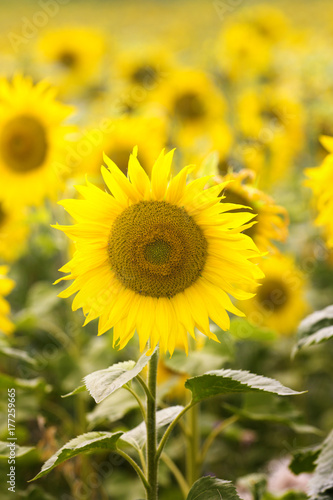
(166, 250)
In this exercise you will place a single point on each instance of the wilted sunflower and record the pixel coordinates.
(32, 141)
(6, 286)
(158, 257)
(279, 303)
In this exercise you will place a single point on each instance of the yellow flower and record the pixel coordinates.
(279, 303)
(272, 220)
(32, 141)
(75, 55)
(191, 98)
(118, 142)
(320, 181)
(13, 232)
(272, 125)
(6, 286)
(158, 257)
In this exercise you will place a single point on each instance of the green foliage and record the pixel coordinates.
(137, 437)
(304, 460)
(211, 488)
(20, 451)
(218, 382)
(322, 480)
(314, 329)
(89, 442)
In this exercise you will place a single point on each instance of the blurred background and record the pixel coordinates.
(241, 89)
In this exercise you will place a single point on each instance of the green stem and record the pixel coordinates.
(170, 429)
(193, 445)
(135, 467)
(177, 473)
(213, 435)
(144, 386)
(134, 394)
(152, 458)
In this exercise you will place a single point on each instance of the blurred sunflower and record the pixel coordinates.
(272, 220)
(6, 286)
(272, 126)
(191, 98)
(279, 303)
(118, 142)
(13, 232)
(320, 180)
(32, 141)
(76, 56)
(158, 257)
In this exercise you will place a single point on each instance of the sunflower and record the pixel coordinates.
(13, 232)
(118, 142)
(191, 99)
(158, 257)
(272, 220)
(271, 123)
(320, 180)
(279, 303)
(75, 56)
(6, 286)
(32, 141)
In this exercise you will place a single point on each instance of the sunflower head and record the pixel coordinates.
(157, 256)
(32, 141)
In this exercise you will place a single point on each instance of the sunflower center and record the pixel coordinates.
(3, 215)
(67, 59)
(145, 75)
(273, 294)
(189, 106)
(157, 252)
(156, 249)
(23, 144)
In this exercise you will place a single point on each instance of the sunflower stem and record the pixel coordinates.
(152, 458)
(193, 445)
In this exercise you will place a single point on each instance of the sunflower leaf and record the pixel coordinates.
(102, 383)
(217, 382)
(194, 363)
(20, 451)
(322, 479)
(314, 329)
(212, 488)
(137, 437)
(91, 441)
(304, 460)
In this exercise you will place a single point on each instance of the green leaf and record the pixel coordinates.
(217, 382)
(304, 460)
(91, 441)
(314, 329)
(112, 409)
(102, 383)
(265, 407)
(195, 363)
(81, 388)
(16, 354)
(137, 436)
(20, 451)
(211, 488)
(6, 381)
(322, 479)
